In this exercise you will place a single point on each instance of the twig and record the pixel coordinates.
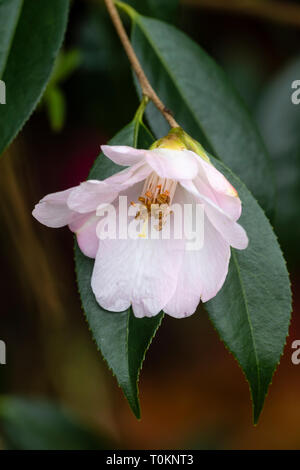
(281, 12)
(147, 89)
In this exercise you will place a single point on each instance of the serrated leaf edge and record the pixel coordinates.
(255, 415)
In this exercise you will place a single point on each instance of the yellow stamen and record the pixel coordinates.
(143, 232)
(157, 195)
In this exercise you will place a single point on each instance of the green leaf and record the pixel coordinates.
(9, 16)
(56, 107)
(54, 99)
(278, 116)
(203, 102)
(32, 35)
(279, 121)
(252, 311)
(163, 9)
(35, 424)
(122, 338)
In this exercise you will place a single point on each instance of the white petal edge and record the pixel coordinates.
(203, 272)
(53, 210)
(88, 195)
(173, 164)
(123, 155)
(231, 231)
(85, 229)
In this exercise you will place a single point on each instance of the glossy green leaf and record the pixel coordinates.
(278, 116)
(122, 339)
(9, 15)
(279, 121)
(203, 102)
(252, 311)
(31, 35)
(162, 9)
(35, 424)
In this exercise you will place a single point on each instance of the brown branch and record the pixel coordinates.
(281, 12)
(146, 87)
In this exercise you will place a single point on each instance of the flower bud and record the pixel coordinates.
(172, 141)
(178, 139)
(190, 143)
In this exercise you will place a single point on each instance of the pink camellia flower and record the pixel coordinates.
(153, 274)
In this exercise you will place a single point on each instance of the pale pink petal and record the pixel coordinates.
(173, 164)
(186, 297)
(88, 195)
(85, 229)
(53, 210)
(123, 155)
(216, 179)
(212, 261)
(142, 273)
(202, 275)
(92, 193)
(203, 271)
(85, 225)
(128, 177)
(232, 232)
(232, 206)
(213, 184)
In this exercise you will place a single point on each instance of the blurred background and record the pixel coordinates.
(56, 391)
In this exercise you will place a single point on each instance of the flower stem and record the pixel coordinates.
(138, 118)
(141, 109)
(146, 87)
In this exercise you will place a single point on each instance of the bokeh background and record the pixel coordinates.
(56, 391)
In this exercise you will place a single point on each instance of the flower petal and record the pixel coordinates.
(186, 297)
(92, 193)
(232, 206)
(85, 230)
(130, 176)
(123, 155)
(173, 164)
(203, 271)
(216, 179)
(212, 261)
(88, 195)
(232, 232)
(53, 210)
(142, 273)
(213, 184)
